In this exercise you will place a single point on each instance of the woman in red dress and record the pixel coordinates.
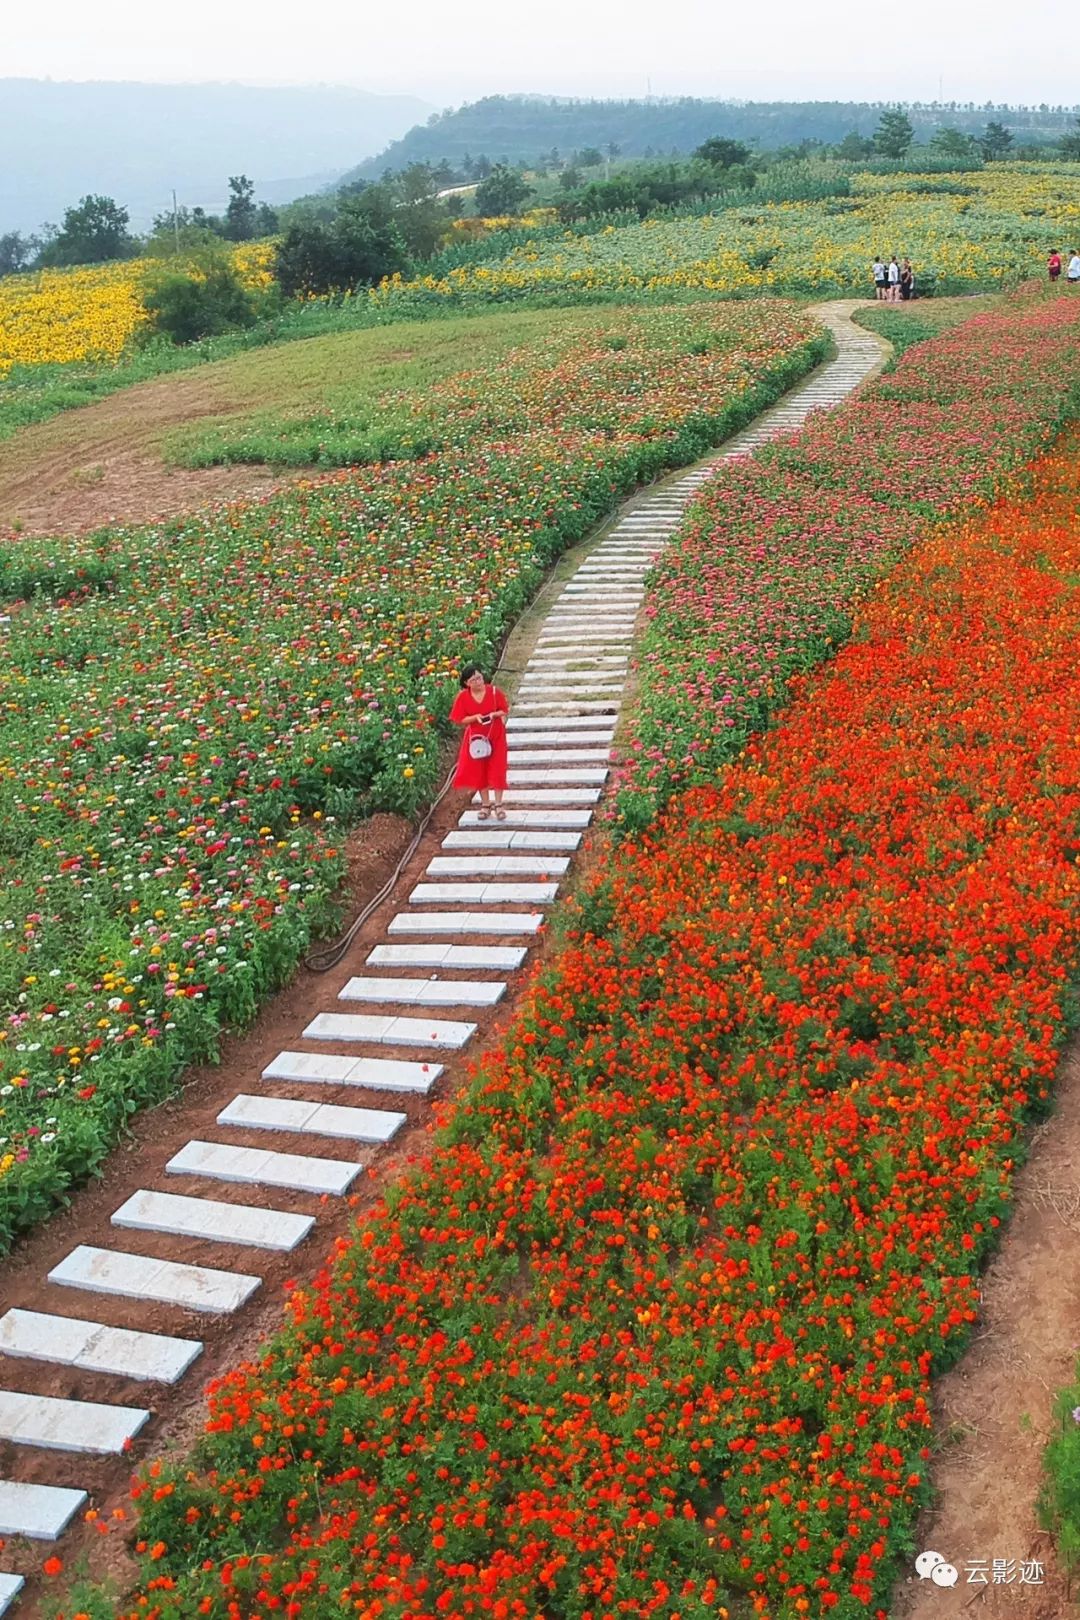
(481, 709)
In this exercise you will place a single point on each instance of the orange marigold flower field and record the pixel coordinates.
(653, 1333)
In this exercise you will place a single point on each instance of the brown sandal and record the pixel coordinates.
(484, 813)
(500, 813)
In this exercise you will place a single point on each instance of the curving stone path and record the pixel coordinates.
(485, 897)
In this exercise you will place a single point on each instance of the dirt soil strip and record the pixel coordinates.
(993, 1412)
(374, 851)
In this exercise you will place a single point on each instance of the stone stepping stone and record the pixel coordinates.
(89, 1427)
(39, 1512)
(537, 686)
(538, 692)
(586, 723)
(210, 1219)
(484, 894)
(458, 922)
(93, 1347)
(426, 992)
(530, 819)
(257, 1167)
(10, 1587)
(553, 757)
(597, 631)
(496, 958)
(553, 640)
(553, 737)
(521, 776)
(312, 1119)
(547, 706)
(374, 1074)
(547, 795)
(565, 658)
(388, 1030)
(464, 839)
(138, 1276)
(497, 865)
(603, 595)
(571, 742)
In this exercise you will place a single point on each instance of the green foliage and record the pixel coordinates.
(722, 153)
(1059, 1498)
(904, 325)
(954, 143)
(16, 251)
(184, 307)
(241, 213)
(502, 192)
(95, 231)
(996, 141)
(358, 248)
(1069, 145)
(894, 134)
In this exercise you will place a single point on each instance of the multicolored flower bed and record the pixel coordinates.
(766, 572)
(652, 1333)
(188, 712)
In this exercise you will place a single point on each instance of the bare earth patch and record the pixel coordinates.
(993, 1413)
(102, 464)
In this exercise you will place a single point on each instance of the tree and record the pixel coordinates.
(502, 192)
(241, 214)
(953, 144)
(855, 148)
(590, 157)
(570, 178)
(995, 141)
(93, 232)
(894, 134)
(1069, 145)
(206, 300)
(358, 248)
(16, 251)
(722, 153)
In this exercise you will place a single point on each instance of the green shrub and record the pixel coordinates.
(186, 306)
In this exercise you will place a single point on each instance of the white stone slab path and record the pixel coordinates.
(92, 1347)
(209, 1218)
(490, 876)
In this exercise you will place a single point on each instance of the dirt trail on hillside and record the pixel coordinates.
(993, 1413)
(102, 463)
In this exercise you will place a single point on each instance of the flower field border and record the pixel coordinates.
(652, 1333)
(195, 748)
(776, 554)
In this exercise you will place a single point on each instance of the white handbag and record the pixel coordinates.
(479, 745)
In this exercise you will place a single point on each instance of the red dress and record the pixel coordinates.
(489, 772)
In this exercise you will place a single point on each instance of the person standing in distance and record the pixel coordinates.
(1053, 264)
(894, 281)
(881, 278)
(481, 709)
(1072, 274)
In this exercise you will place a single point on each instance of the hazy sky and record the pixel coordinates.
(909, 49)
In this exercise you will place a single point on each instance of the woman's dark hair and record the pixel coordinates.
(468, 672)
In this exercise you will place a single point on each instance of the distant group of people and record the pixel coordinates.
(1054, 263)
(893, 282)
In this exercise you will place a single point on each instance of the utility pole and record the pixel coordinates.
(175, 222)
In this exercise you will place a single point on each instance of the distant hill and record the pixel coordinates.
(520, 128)
(135, 142)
